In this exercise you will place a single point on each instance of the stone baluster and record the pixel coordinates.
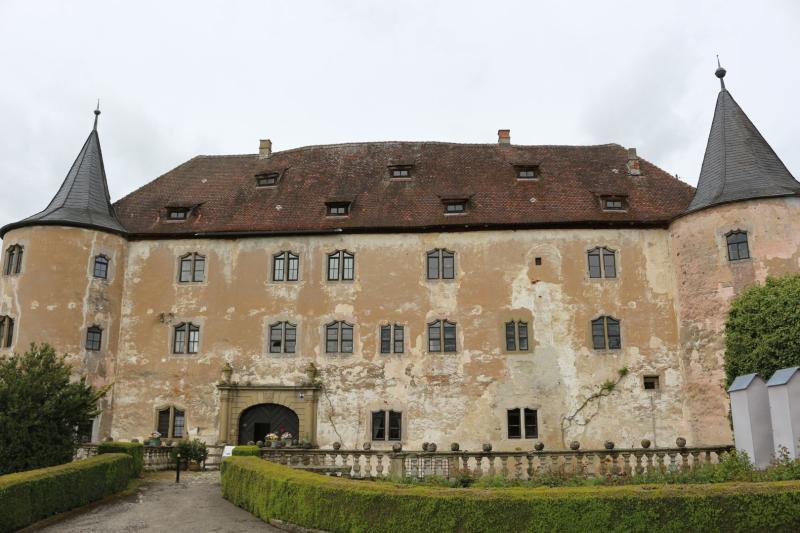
(529, 470)
(673, 466)
(504, 466)
(626, 463)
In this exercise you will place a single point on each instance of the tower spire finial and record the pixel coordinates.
(720, 73)
(96, 114)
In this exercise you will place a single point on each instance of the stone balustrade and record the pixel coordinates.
(155, 457)
(363, 464)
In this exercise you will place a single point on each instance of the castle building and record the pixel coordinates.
(407, 291)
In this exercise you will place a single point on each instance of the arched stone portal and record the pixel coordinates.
(257, 421)
(240, 403)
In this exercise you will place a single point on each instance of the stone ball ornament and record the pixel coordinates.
(574, 445)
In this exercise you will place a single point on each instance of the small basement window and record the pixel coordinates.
(178, 213)
(455, 207)
(338, 209)
(613, 203)
(269, 179)
(527, 172)
(400, 171)
(651, 383)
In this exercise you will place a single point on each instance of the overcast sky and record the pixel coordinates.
(177, 79)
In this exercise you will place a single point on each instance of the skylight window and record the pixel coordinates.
(338, 209)
(178, 213)
(527, 172)
(400, 171)
(613, 203)
(269, 179)
(455, 207)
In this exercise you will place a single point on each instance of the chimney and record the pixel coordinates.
(503, 136)
(633, 163)
(264, 148)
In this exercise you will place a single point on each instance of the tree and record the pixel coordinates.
(41, 409)
(762, 333)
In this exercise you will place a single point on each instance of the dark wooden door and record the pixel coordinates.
(276, 418)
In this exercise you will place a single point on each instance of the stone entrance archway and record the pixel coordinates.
(237, 400)
(257, 421)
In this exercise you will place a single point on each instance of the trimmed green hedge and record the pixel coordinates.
(26, 497)
(134, 449)
(247, 450)
(270, 491)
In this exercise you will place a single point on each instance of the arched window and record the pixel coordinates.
(6, 331)
(100, 267)
(171, 422)
(282, 337)
(737, 245)
(602, 263)
(13, 260)
(186, 338)
(94, 338)
(285, 266)
(341, 266)
(517, 336)
(392, 338)
(193, 268)
(442, 336)
(606, 333)
(339, 337)
(441, 264)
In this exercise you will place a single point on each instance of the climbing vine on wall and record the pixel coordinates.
(578, 417)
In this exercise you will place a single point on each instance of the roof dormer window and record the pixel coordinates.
(400, 171)
(527, 172)
(267, 179)
(338, 209)
(455, 207)
(614, 203)
(178, 213)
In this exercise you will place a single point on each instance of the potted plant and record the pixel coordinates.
(271, 440)
(286, 437)
(182, 449)
(198, 453)
(155, 439)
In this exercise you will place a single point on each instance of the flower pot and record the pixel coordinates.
(194, 466)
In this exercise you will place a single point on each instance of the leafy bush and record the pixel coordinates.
(184, 448)
(27, 497)
(134, 449)
(40, 407)
(762, 333)
(247, 450)
(270, 490)
(194, 450)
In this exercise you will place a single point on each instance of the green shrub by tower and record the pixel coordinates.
(762, 333)
(333, 504)
(134, 449)
(40, 409)
(26, 497)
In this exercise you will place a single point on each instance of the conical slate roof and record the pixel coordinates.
(83, 199)
(739, 164)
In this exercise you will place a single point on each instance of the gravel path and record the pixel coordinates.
(160, 504)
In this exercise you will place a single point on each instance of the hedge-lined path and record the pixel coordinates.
(159, 504)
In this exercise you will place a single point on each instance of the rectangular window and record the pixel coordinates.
(94, 336)
(449, 336)
(395, 425)
(179, 344)
(398, 338)
(441, 264)
(737, 246)
(598, 334)
(276, 338)
(267, 180)
(511, 337)
(379, 425)
(602, 263)
(448, 265)
(433, 264)
(609, 263)
(347, 338)
(595, 271)
(194, 338)
(192, 268)
(178, 424)
(332, 338)
(522, 331)
(651, 383)
(163, 422)
(613, 203)
(435, 336)
(531, 424)
(386, 339)
(186, 338)
(614, 342)
(6, 331)
(186, 270)
(100, 267)
(514, 424)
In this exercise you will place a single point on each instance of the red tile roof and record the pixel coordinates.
(571, 179)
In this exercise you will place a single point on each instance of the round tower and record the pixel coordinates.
(742, 226)
(62, 277)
